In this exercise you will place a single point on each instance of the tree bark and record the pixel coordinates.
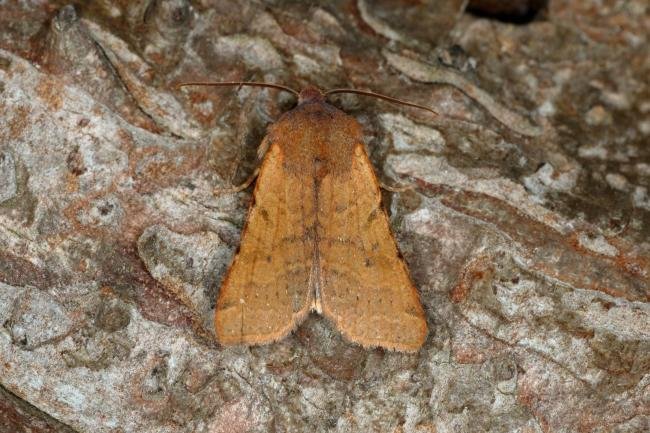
(526, 233)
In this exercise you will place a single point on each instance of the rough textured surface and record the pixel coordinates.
(527, 234)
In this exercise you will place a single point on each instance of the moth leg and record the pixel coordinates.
(263, 147)
(238, 188)
(397, 188)
(261, 151)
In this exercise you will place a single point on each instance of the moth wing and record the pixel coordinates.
(266, 292)
(365, 288)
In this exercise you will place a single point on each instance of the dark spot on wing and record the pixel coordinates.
(373, 215)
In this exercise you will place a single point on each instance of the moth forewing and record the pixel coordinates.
(317, 238)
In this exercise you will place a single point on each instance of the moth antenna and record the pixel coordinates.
(380, 96)
(239, 84)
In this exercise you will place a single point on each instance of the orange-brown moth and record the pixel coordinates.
(317, 239)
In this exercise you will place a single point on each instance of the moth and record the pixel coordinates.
(316, 238)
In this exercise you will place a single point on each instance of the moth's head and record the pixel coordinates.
(310, 94)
